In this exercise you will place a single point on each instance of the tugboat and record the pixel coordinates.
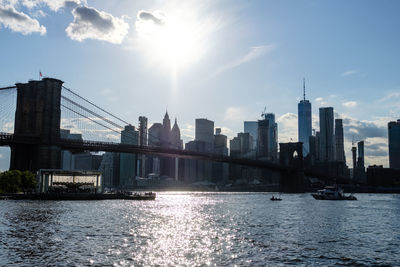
(332, 193)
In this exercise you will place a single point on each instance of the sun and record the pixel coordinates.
(174, 39)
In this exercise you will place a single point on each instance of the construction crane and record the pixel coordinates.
(263, 113)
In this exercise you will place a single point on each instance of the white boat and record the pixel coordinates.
(332, 193)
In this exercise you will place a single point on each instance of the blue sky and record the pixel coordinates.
(223, 60)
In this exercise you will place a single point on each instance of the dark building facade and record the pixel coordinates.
(394, 144)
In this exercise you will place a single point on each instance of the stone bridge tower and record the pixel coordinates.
(291, 155)
(37, 117)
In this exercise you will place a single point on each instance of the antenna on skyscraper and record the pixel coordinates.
(304, 89)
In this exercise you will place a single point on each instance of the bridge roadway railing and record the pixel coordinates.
(7, 139)
(160, 151)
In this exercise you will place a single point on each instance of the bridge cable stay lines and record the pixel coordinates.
(106, 118)
(76, 106)
(8, 104)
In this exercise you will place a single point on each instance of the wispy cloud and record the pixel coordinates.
(254, 53)
(349, 104)
(350, 72)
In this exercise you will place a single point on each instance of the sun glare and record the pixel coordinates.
(175, 39)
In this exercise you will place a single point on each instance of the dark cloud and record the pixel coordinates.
(94, 17)
(11, 13)
(70, 4)
(364, 129)
(146, 15)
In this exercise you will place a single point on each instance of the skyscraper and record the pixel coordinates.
(142, 142)
(142, 131)
(251, 127)
(394, 144)
(205, 132)
(360, 160)
(326, 137)
(176, 140)
(304, 122)
(272, 136)
(128, 161)
(262, 140)
(340, 156)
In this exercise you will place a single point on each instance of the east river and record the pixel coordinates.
(197, 229)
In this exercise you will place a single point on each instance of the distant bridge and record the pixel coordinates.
(32, 114)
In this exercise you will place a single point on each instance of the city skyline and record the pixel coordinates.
(228, 85)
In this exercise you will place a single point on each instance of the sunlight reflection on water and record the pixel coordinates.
(194, 229)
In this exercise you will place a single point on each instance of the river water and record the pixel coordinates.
(196, 229)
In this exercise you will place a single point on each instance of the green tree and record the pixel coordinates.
(10, 181)
(28, 181)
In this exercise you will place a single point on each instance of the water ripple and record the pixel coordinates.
(197, 229)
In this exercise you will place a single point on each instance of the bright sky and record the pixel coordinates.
(222, 60)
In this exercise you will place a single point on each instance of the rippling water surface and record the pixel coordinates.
(195, 229)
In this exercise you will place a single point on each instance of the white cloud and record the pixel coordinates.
(90, 23)
(187, 132)
(235, 114)
(287, 124)
(350, 72)
(254, 53)
(54, 5)
(320, 101)
(19, 21)
(349, 104)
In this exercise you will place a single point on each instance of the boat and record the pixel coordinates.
(332, 193)
(273, 198)
(143, 196)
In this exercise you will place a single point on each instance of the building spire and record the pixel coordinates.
(304, 89)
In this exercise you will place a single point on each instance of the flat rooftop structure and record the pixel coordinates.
(69, 181)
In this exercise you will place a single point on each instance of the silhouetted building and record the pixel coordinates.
(272, 136)
(142, 131)
(197, 170)
(377, 176)
(109, 168)
(263, 137)
(176, 136)
(177, 143)
(359, 171)
(340, 156)
(154, 140)
(204, 131)
(251, 127)
(67, 162)
(326, 138)
(142, 142)
(354, 157)
(267, 142)
(86, 161)
(360, 160)
(394, 144)
(304, 122)
(220, 171)
(127, 160)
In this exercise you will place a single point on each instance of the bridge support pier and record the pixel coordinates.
(37, 117)
(291, 155)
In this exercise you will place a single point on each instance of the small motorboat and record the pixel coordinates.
(273, 198)
(332, 193)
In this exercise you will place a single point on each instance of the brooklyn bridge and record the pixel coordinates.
(33, 113)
